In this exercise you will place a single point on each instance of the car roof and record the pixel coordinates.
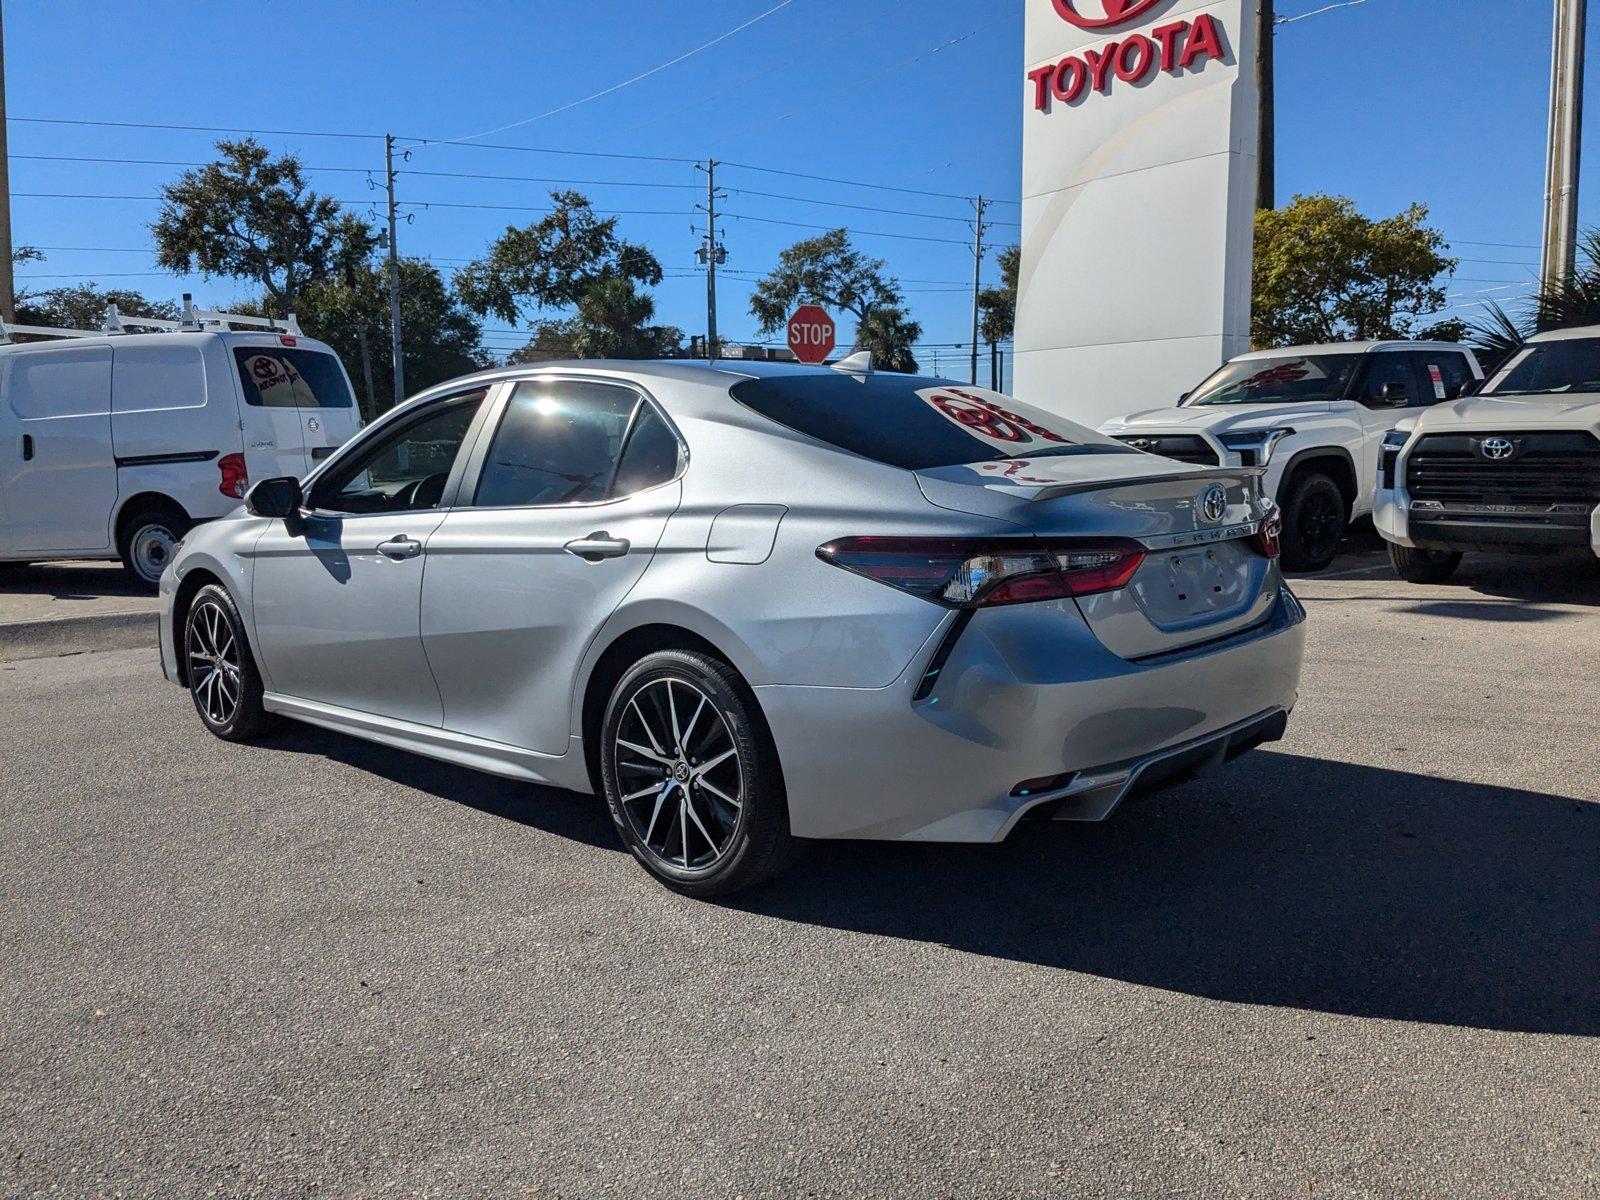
(1566, 335)
(256, 337)
(1366, 347)
(717, 372)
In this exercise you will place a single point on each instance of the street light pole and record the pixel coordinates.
(394, 275)
(1560, 240)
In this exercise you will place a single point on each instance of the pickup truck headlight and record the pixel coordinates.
(1389, 455)
(1255, 447)
(1396, 439)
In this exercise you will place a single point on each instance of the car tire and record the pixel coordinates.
(691, 776)
(223, 680)
(148, 539)
(1314, 520)
(1423, 566)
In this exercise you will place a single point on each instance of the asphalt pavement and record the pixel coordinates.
(1364, 961)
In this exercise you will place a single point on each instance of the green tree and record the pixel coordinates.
(250, 216)
(1326, 273)
(829, 271)
(84, 306)
(571, 259)
(997, 308)
(441, 338)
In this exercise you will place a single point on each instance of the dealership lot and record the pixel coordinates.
(1364, 960)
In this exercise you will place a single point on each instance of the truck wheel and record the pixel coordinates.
(1314, 518)
(1423, 566)
(148, 539)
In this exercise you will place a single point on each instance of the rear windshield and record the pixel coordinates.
(1569, 365)
(915, 423)
(1277, 379)
(284, 377)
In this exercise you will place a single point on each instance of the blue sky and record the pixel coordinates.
(1389, 101)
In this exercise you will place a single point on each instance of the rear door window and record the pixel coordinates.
(559, 442)
(914, 424)
(1390, 370)
(290, 377)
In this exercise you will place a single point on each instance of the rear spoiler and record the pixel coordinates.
(1201, 476)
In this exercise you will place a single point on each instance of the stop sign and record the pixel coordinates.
(811, 333)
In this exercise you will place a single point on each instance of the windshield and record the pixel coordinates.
(914, 423)
(1277, 379)
(1570, 365)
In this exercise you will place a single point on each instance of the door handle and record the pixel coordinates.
(400, 548)
(27, 447)
(598, 546)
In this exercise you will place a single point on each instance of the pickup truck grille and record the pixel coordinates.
(1183, 447)
(1540, 469)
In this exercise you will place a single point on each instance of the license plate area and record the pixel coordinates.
(1195, 584)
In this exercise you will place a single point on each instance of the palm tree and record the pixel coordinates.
(1570, 301)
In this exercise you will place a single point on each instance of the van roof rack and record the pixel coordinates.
(192, 320)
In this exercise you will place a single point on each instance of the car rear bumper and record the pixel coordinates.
(1029, 693)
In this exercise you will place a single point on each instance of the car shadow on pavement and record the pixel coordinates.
(1281, 880)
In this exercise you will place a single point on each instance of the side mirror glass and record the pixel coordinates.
(274, 497)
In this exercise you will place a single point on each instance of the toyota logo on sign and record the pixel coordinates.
(1497, 447)
(1102, 14)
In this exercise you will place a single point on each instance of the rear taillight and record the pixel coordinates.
(984, 572)
(235, 477)
(1267, 539)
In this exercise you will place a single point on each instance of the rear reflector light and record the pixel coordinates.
(235, 478)
(286, 341)
(985, 572)
(1267, 538)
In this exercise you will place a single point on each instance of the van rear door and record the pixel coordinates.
(298, 398)
(58, 482)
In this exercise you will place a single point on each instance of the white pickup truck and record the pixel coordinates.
(1315, 417)
(1514, 467)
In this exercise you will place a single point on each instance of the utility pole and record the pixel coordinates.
(977, 282)
(8, 294)
(712, 253)
(394, 274)
(1560, 240)
(1267, 138)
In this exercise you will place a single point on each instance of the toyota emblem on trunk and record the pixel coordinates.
(1497, 447)
(1213, 503)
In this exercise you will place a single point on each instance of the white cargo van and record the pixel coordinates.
(113, 444)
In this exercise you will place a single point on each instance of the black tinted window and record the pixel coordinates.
(1443, 375)
(916, 423)
(285, 377)
(1389, 370)
(557, 444)
(651, 456)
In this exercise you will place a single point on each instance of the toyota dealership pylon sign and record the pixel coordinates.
(812, 333)
(1138, 200)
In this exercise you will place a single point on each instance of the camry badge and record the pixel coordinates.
(1213, 503)
(1497, 448)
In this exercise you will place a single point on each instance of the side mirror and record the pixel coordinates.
(1184, 397)
(275, 497)
(1469, 388)
(1393, 395)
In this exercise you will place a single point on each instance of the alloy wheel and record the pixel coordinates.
(214, 663)
(681, 785)
(1318, 524)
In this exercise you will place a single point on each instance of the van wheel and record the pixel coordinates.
(148, 540)
(691, 776)
(1314, 519)
(223, 680)
(1423, 566)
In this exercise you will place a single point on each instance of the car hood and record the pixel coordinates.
(1217, 418)
(1579, 410)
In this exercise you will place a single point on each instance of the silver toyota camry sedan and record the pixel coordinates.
(751, 604)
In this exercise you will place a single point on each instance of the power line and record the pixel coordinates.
(617, 87)
(319, 133)
(543, 179)
(905, 237)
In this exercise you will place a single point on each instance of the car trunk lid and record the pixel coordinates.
(1204, 575)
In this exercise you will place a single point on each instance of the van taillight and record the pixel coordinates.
(983, 572)
(235, 477)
